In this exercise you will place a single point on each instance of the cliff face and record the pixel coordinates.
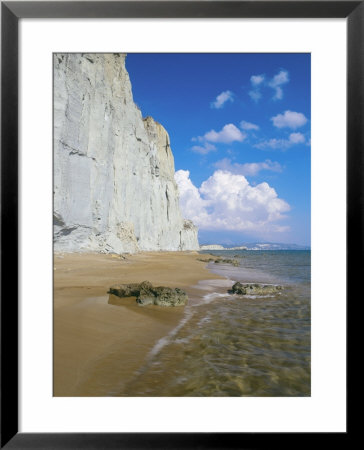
(114, 187)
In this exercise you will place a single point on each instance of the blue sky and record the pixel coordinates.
(239, 126)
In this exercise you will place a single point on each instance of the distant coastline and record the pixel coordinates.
(256, 246)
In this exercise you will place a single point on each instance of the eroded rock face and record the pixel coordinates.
(255, 289)
(146, 294)
(114, 187)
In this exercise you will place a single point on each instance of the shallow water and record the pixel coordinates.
(228, 345)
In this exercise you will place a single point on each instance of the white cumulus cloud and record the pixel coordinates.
(277, 81)
(192, 205)
(256, 80)
(221, 99)
(204, 149)
(281, 78)
(296, 138)
(289, 119)
(226, 201)
(248, 169)
(248, 126)
(282, 144)
(227, 135)
(255, 95)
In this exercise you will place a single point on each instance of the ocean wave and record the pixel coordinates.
(208, 298)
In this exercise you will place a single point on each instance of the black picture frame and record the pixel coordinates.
(11, 12)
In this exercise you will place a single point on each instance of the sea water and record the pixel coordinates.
(229, 345)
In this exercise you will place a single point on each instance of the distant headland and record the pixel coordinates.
(256, 246)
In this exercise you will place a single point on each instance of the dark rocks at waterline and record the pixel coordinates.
(163, 296)
(206, 260)
(131, 289)
(254, 289)
(146, 294)
(234, 262)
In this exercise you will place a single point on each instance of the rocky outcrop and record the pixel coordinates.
(233, 262)
(114, 187)
(255, 289)
(145, 294)
(188, 236)
(219, 260)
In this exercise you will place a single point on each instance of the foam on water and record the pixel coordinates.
(161, 343)
(208, 298)
(261, 296)
(209, 285)
(166, 339)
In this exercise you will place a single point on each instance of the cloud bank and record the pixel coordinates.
(226, 201)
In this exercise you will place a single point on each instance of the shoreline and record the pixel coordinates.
(98, 347)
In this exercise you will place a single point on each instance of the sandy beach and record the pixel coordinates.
(98, 346)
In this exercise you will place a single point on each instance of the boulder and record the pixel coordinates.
(165, 296)
(146, 299)
(130, 290)
(254, 289)
(146, 294)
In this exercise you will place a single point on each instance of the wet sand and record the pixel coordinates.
(98, 346)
